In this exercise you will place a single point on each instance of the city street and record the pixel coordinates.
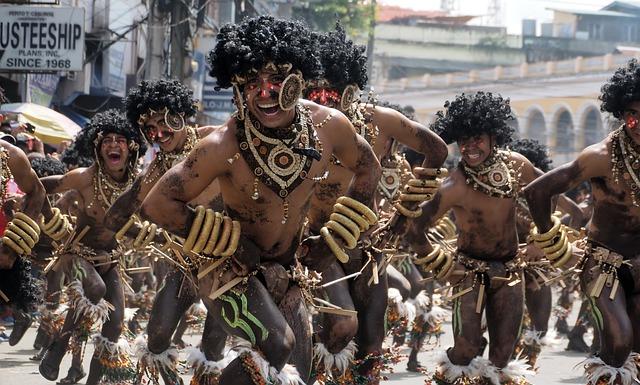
(557, 367)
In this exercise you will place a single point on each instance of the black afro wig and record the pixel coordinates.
(156, 95)
(107, 122)
(473, 115)
(534, 151)
(73, 156)
(47, 166)
(343, 62)
(621, 89)
(250, 45)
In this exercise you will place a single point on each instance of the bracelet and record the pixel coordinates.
(430, 257)
(549, 234)
(433, 172)
(333, 245)
(407, 212)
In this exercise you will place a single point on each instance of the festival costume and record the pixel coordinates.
(477, 282)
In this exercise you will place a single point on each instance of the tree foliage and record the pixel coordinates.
(321, 15)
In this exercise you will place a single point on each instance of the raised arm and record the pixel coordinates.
(414, 135)
(356, 155)
(592, 162)
(126, 205)
(166, 203)
(73, 180)
(27, 181)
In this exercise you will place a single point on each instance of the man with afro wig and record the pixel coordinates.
(485, 272)
(341, 339)
(267, 158)
(89, 255)
(609, 270)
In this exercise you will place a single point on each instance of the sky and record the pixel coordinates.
(513, 11)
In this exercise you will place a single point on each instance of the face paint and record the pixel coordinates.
(631, 122)
(325, 96)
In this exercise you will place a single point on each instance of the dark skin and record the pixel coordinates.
(160, 327)
(98, 282)
(27, 181)
(261, 219)
(338, 330)
(615, 224)
(486, 231)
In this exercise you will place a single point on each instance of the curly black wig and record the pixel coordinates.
(72, 156)
(19, 285)
(156, 95)
(473, 115)
(107, 122)
(621, 89)
(250, 45)
(534, 151)
(47, 166)
(343, 62)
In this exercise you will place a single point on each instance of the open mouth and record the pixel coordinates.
(114, 157)
(269, 108)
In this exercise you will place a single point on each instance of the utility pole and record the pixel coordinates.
(155, 41)
(370, 43)
(181, 45)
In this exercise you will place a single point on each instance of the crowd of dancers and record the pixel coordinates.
(318, 230)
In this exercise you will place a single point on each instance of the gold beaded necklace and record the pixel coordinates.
(106, 190)
(282, 162)
(625, 160)
(165, 160)
(495, 177)
(5, 175)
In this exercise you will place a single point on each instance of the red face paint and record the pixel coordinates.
(631, 122)
(324, 96)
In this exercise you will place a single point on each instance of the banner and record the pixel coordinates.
(37, 39)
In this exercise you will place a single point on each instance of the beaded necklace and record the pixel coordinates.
(106, 190)
(165, 160)
(625, 160)
(495, 177)
(281, 160)
(5, 175)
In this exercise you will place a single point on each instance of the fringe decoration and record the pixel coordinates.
(117, 368)
(339, 361)
(599, 373)
(207, 372)
(83, 307)
(262, 373)
(150, 365)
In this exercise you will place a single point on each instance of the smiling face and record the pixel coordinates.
(114, 151)
(631, 118)
(475, 150)
(261, 95)
(157, 131)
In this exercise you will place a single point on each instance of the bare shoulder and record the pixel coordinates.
(16, 155)
(220, 138)
(320, 113)
(206, 130)
(455, 182)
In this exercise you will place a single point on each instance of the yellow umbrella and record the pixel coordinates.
(51, 126)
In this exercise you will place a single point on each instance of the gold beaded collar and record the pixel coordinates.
(106, 190)
(5, 175)
(282, 162)
(625, 161)
(495, 177)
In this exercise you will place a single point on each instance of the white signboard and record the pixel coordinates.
(36, 39)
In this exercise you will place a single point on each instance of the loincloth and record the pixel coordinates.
(611, 268)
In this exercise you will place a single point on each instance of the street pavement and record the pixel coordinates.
(557, 367)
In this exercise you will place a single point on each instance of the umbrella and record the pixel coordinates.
(51, 126)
